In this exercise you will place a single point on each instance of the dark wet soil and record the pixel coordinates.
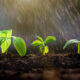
(39, 67)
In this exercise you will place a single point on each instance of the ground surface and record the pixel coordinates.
(39, 67)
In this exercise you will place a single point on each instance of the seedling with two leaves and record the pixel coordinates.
(71, 42)
(42, 44)
(5, 42)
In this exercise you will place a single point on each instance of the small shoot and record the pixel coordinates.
(42, 44)
(71, 42)
(5, 42)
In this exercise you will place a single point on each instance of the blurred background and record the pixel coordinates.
(28, 18)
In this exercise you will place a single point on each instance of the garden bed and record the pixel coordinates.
(37, 67)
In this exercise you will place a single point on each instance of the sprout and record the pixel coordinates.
(43, 44)
(5, 42)
(71, 42)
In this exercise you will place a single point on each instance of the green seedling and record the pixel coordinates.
(43, 43)
(5, 42)
(71, 42)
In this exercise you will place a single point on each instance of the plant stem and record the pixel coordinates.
(43, 48)
(79, 48)
(6, 52)
(12, 36)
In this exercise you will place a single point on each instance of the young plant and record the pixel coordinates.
(71, 42)
(5, 42)
(43, 43)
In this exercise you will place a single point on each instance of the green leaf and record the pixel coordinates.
(3, 33)
(40, 38)
(5, 39)
(50, 39)
(9, 33)
(6, 33)
(46, 50)
(2, 39)
(20, 45)
(70, 42)
(36, 43)
(5, 45)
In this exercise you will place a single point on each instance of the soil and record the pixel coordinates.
(39, 67)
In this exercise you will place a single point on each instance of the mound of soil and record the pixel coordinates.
(39, 67)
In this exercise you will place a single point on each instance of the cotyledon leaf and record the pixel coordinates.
(9, 33)
(20, 45)
(36, 43)
(5, 45)
(40, 38)
(46, 50)
(50, 39)
(70, 42)
(5, 33)
(2, 39)
(5, 39)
